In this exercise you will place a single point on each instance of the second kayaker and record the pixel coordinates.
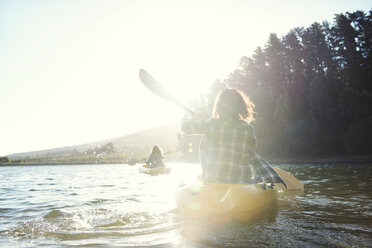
(155, 160)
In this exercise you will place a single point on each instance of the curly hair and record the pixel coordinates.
(233, 104)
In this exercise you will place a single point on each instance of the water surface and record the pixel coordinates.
(116, 206)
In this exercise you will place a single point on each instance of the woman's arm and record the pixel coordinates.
(195, 126)
(150, 159)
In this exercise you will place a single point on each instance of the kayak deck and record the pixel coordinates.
(225, 201)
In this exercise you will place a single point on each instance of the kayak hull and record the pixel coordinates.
(224, 202)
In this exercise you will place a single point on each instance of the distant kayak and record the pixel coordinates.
(224, 202)
(155, 171)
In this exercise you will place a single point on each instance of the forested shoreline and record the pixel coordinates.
(312, 89)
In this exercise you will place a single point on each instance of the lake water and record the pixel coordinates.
(116, 206)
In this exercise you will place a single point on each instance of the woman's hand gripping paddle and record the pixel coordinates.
(157, 88)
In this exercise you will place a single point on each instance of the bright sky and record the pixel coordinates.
(69, 69)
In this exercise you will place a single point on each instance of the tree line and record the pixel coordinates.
(100, 154)
(312, 89)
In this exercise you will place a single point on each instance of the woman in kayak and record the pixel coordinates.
(155, 159)
(228, 147)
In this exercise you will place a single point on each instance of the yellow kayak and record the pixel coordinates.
(155, 171)
(223, 202)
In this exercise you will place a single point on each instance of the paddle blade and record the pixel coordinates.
(156, 87)
(293, 184)
(277, 178)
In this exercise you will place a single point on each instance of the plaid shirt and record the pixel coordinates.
(228, 152)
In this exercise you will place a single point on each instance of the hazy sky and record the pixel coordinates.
(69, 69)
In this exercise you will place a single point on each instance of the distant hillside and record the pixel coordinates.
(164, 136)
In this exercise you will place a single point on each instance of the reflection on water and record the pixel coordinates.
(115, 205)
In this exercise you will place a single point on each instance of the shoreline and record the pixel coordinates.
(326, 159)
(361, 159)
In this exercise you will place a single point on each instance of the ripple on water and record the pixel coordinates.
(132, 199)
(45, 184)
(97, 201)
(32, 229)
(54, 214)
(6, 210)
(80, 224)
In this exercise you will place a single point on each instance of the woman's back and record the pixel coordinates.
(226, 147)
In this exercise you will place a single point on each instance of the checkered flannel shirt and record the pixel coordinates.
(228, 152)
